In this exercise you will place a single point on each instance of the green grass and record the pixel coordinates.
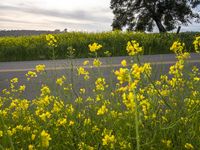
(36, 48)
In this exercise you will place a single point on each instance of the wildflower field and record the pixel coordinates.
(114, 43)
(137, 113)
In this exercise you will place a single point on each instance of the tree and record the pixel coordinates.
(142, 15)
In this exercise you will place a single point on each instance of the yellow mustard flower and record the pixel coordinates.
(14, 80)
(108, 139)
(60, 81)
(45, 138)
(45, 116)
(87, 121)
(82, 71)
(168, 143)
(61, 122)
(100, 84)
(22, 88)
(30, 147)
(45, 90)
(189, 146)
(31, 74)
(94, 47)
(82, 91)
(196, 44)
(124, 63)
(33, 137)
(177, 47)
(86, 62)
(97, 62)
(1, 133)
(133, 48)
(129, 100)
(71, 123)
(51, 40)
(122, 75)
(102, 110)
(40, 68)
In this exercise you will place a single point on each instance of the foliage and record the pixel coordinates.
(114, 44)
(142, 15)
(137, 113)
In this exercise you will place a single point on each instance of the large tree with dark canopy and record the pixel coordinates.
(142, 15)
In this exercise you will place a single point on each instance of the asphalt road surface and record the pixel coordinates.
(57, 68)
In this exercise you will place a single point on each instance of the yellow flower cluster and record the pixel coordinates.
(82, 71)
(45, 138)
(94, 47)
(51, 40)
(189, 146)
(124, 63)
(60, 80)
(45, 90)
(177, 47)
(133, 48)
(102, 110)
(31, 74)
(100, 84)
(40, 68)
(122, 75)
(197, 44)
(168, 143)
(97, 63)
(108, 139)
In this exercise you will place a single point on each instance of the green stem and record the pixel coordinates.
(136, 118)
(72, 78)
(137, 124)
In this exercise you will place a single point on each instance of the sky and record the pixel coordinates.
(75, 15)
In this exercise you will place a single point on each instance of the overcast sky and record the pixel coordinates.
(75, 15)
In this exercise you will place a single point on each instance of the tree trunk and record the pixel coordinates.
(160, 26)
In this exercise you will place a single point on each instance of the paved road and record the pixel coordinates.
(57, 68)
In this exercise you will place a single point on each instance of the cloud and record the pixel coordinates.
(29, 14)
(13, 21)
(80, 15)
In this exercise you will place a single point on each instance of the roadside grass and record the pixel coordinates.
(35, 47)
(136, 111)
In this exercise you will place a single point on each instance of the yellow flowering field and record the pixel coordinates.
(138, 113)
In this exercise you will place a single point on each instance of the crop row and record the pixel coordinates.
(36, 48)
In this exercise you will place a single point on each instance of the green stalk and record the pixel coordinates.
(72, 78)
(136, 118)
(137, 124)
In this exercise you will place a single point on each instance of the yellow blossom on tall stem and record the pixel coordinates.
(124, 63)
(60, 81)
(45, 138)
(94, 47)
(196, 44)
(97, 62)
(133, 48)
(40, 68)
(102, 110)
(108, 139)
(51, 40)
(177, 47)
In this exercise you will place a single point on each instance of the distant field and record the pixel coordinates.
(35, 47)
